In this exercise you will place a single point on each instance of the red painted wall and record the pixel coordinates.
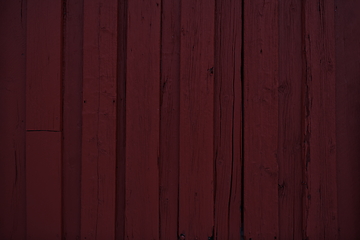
(186, 119)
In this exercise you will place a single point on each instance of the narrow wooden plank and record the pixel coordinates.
(43, 65)
(227, 119)
(121, 120)
(347, 116)
(320, 191)
(12, 120)
(98, 177)
(290, 134)
(196, 182)
(236, 198)
(72, 109)
(43, 185)
(169, 119)
(142, 120)
(260, 119)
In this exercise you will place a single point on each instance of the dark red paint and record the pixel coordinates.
(179, 119)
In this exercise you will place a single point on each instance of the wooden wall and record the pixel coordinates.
(166, 119)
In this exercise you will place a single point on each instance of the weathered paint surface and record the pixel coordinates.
(196, 197)
(227, 119)
(170, 119)
(98, 162)
(142, 120)
(290, 123)
(260, 119)
(320, 220)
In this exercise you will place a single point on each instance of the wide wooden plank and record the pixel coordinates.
(72, 108)
(196, 182)
(347, 116)
(169, 119)
(43, 185)
(43, 65)
(319, 163)
(227, 119)
(12, 120)
(98, 177)
(290, 124)
(260, 119)
(142, 120)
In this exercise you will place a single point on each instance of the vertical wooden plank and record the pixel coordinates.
(98, 177)
(235, 200)
(196, 182)
(290, 134)
(169, 119)
(227, 119)
(142, 120)
(12, 120)
(43, 65)
(260, 119)
(320, 192)
(121, 120)
(72, 108)
(43, 119)
(43, 185)
(347, 116)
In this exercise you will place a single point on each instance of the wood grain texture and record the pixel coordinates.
(347, 117)
(290, 123)
(227, 119)
(320, 197)
(169, 119)
(179, 119)
(43, 185)
(98, 177)
(72, 109)
(12, 120)
(142, 120)
(260, 119)
(196, 182)
(43, 65)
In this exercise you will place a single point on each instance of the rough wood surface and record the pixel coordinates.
(179, 119)
(142, 120)
(98, 177)
(196, 182)
(227, 120)
(260, 119)
(169, 119)
(320, 219)
(290, 110)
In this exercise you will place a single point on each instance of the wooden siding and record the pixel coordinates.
(167, 119)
